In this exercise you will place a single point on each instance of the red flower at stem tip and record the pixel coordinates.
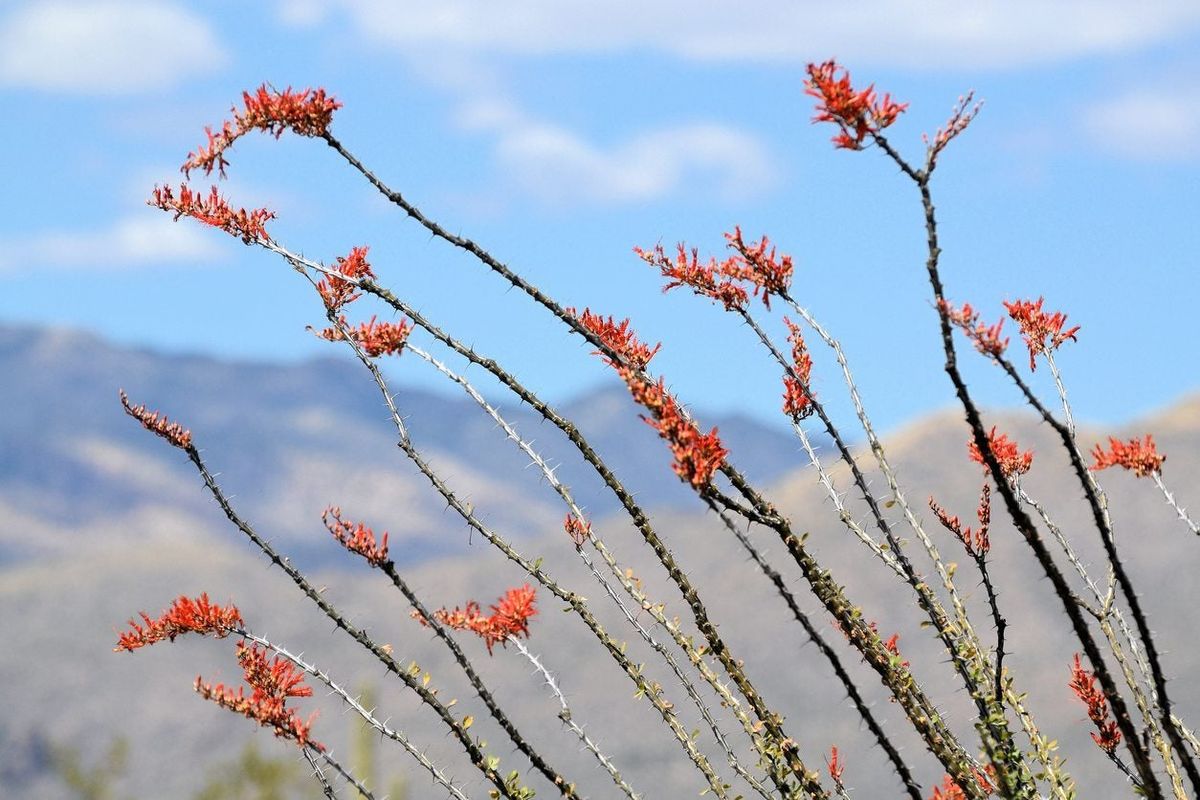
(577, 528)
(306, 113)
(797, 392)
(214, 210)
(157, 423)
(1041, 331)
(184, 616)
(858, 114)
(1139, 456)
(356, 537)
(985, 338)
(510, 617)
(376, 338)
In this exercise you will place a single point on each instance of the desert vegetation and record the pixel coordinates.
(673, 650)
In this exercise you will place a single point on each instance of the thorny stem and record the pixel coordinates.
(1098, 503)
(1022, 521)
(367, 715)
(319, 775)
(567, 788)
(427, 697)
(1179, 510)
(922, 713)
(964, 649)
(568, 719)
(651, 691)
(998, 619)
(902, 771)
(626, 581)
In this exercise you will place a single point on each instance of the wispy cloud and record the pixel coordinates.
(932, 34)
(559, 166)
(130, 243)
(1148, 125)
(105, 47)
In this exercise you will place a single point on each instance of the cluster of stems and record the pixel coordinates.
(1000, 752)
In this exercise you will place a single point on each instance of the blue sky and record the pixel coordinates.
(561, 134)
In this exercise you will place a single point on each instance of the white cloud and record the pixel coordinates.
(130, 243)
(561, 167)
(1155, 125)
(929, 34)
(105, 47)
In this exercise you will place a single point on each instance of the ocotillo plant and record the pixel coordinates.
(1118, 673)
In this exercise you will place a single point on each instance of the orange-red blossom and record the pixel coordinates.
(1041, 331)
(214, 210)
(857, 113)
(336, 292)
(272, 683)
(697, 455)
(357, 537)
(306, 113)
(1083, 684)
(1139, 456)
(184, 616)
(1012, 461)
(510, 617)
(375, 337)
(157, 423)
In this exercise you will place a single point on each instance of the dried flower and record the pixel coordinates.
(272, 683)
(1139, 456)
(509, 617)
(857, 114)
(214, 210)
(1083, 684)
(356, 537)
(797, 396)
(306, 113)
(157, 423)
(184, 616)
(960, 118)
(985, 338)
(336, 292)
(577, 528)
(1012, 461)
(617, 337)
(374, 337)
(1042, 332)
(976, 542)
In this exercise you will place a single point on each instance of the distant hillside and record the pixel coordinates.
(60, 682)
(288, 440)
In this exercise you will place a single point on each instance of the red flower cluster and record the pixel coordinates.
(976, 542)
(1042, 332)
(184, 616)
(509, 617)
(577, 528)
(336, 292)
(950, 790)
(721, 281)
(836, 767)
(1083, 684)
(1012, 461)
(797, 399)
(356, 537)
(1141, 457)
(374, 337)
(697, 455)
(618, 337)
(157, 423)
(249, 226)
(986, 338)
(272, 683)
(307, 113)
(857, 114)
